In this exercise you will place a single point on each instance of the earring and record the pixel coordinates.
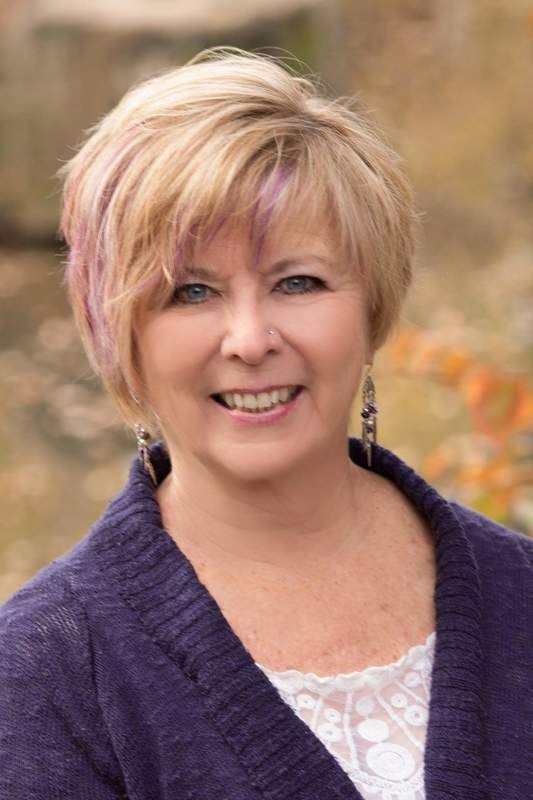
(143, 437)
(369, 415)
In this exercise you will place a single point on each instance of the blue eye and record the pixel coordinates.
(192, 298)
(316, 284)
(191, 293)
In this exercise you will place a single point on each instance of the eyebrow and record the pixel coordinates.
(279, 266)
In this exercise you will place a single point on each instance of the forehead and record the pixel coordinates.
(258, 247)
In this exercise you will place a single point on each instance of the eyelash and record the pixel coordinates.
(318, 285)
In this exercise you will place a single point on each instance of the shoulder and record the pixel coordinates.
(47, 660)
(50, 712)
(43, 623)
(491, 540)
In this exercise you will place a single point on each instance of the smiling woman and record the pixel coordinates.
(270, 608)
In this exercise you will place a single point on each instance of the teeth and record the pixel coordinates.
(261, 401)
(250, 401)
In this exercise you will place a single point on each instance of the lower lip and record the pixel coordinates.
(263, 417)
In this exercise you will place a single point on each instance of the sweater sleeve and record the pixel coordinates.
(53, 739)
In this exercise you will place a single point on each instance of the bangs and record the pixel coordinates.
(262, 200)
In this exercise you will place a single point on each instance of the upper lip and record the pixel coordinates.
(252, 390)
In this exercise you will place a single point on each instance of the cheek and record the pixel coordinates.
(168, 354)
(341, 334)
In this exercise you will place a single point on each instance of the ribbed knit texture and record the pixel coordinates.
(121, 678)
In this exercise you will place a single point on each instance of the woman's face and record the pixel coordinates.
(212, 338)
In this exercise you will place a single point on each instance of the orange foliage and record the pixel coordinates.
(499, 403)
(495, 467)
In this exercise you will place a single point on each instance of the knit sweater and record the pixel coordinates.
(121, 678)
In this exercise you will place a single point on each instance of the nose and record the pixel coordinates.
(247, 336)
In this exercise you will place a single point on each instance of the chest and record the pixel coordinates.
(361, 615)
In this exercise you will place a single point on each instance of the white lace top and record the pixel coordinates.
(373, 722)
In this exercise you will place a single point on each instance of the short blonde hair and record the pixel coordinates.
(227, 135)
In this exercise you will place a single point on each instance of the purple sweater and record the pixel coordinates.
(121, 678)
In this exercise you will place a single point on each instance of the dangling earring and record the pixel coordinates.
(143, 437)
(369, 415)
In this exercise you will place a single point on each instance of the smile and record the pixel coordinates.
(257, 403)
(266, 415)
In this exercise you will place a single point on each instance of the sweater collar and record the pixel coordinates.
(283, 758)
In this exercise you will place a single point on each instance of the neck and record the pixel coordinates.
(306, 520)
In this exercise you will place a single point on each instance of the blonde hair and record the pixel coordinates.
(228, 134)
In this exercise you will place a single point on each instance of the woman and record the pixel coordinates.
(269, 609)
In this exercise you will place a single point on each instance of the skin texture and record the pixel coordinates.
(277, 521)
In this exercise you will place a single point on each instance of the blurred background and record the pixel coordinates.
(450, 81)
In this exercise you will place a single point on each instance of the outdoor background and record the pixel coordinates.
(450, 81)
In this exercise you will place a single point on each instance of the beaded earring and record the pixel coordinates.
(369, 415)
(143, 437)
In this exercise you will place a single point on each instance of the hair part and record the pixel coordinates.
(229, 136)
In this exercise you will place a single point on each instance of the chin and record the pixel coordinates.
(256, 462)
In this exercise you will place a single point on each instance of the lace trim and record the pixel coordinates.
(371, 676)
